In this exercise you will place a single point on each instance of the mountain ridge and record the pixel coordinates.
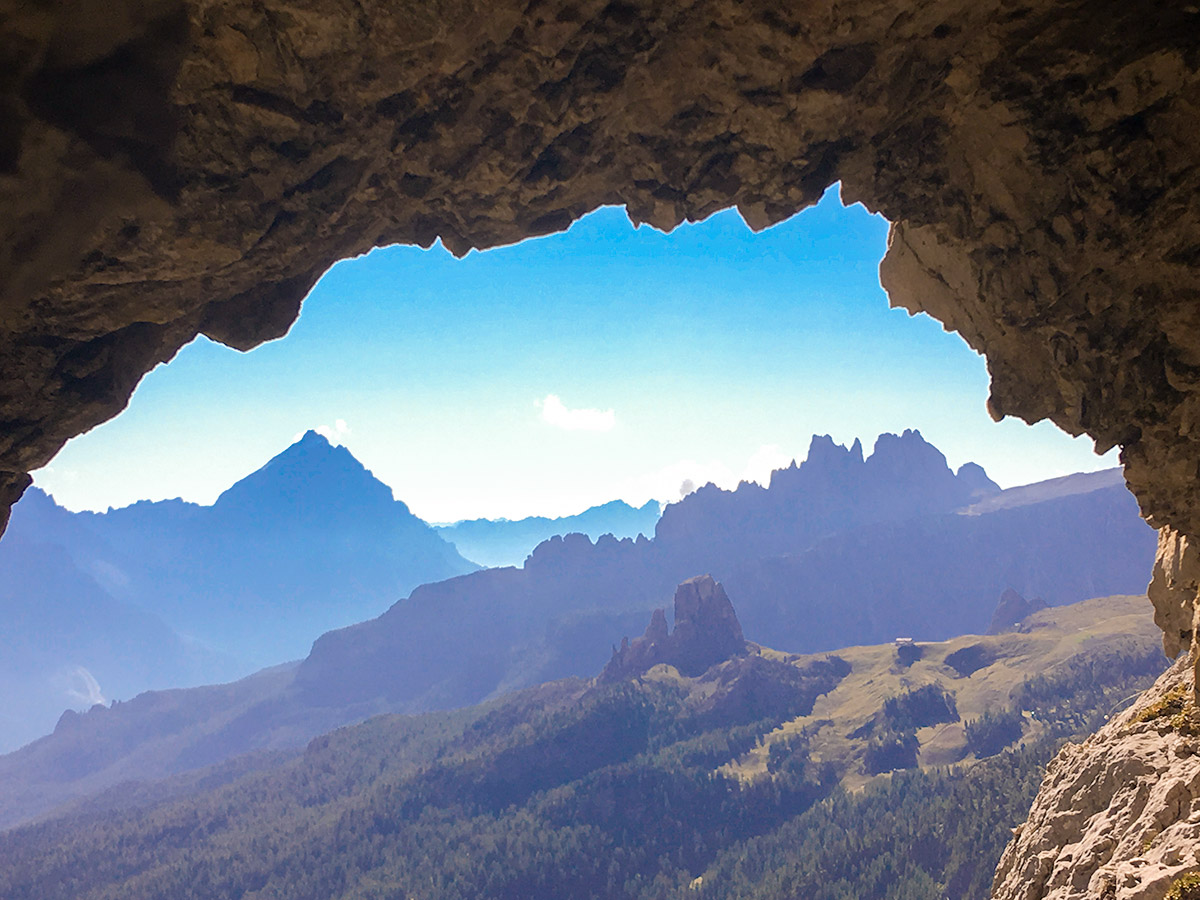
(480, 635)
(505, 542)
(308, 542)
(681, 779)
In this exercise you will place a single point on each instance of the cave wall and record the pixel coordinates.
(175, 167)
(1117, 816)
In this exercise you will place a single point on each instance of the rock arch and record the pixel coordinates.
(180, 167)
(171, 168)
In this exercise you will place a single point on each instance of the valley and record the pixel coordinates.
(762, 775)
(891, 544)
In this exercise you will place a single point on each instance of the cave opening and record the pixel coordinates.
(603, 365)
(603, 362)
(1038, 161)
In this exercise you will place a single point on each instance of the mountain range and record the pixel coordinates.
(507, 542)
(169, 593)
(840, 550)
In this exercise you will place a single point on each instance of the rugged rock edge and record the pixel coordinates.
(1117, 816)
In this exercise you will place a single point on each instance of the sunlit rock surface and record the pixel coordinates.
(1118, 816)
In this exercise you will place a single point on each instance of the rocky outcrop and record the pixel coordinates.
(1175, 593)
(835, 488)
(706, 632)
(1011, 609)
(173, 168)
(1118, 816)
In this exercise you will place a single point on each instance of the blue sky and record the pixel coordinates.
(569, 370)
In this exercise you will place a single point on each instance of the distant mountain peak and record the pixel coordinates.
(311, 476)
(707, 631)
(976, 480)
(312, 437)
(508, 542)
(824, 453)
(313, 445)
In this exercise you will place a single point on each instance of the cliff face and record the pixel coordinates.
(706, 632)
(1118, 816)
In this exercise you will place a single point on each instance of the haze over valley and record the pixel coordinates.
(845, 548)
(695, 758)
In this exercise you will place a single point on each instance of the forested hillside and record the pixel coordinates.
(646, 788)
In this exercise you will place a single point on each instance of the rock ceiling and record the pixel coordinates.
(170, 169)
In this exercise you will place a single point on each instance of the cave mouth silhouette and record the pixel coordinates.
(179, 169)
(791, 321)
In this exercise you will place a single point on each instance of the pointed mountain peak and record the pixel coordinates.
(311, 438)
(314, 453)
(824, 453)
(311, 475)
(973, 477)
(313, 444)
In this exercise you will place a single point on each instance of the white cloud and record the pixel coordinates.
(558, 414)
(765, 460)
(335, 433)
(84, 689)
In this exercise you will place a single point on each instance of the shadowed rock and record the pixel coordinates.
(706, 632)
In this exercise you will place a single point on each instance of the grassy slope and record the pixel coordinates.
(1049, 638)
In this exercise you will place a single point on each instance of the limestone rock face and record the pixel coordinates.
(171, 168)
(1173, 589)
(706, 632)
(1118, 816)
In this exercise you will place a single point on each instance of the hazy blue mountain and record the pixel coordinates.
(834, 490)
(66, 642)
(470, 767)
(309, 542)
(507, 542)
(838, 551)
(180, 594)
